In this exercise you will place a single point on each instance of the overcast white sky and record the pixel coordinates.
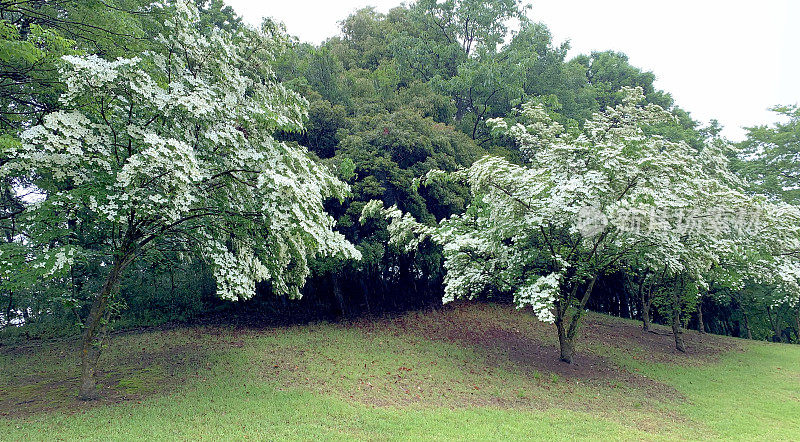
(729, 60)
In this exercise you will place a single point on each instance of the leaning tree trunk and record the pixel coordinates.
(676, 320)
(94, 332)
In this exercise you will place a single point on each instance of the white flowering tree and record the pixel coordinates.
(607, 196)
(173, 149)
(762, 269)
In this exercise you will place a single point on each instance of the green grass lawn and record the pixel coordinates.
(467, 372)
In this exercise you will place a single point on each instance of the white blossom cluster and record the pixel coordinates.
(540, 296)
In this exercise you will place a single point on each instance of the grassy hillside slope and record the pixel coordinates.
(475, 371)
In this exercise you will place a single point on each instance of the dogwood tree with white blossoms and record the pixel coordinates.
(174, 149)
(767, 257)
(583, 202)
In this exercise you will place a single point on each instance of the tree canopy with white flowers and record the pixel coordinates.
(584, 202)
(174, 150)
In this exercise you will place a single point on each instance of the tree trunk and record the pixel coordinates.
(676, 319)
(566, 336)
(94, 332)
(172, 281)
(337, 293)
(747, 325)
(646, 317)
(565, 344)
(776, 325)
(365, 291)
(626, 298)
(700, 325)
(645, 299)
